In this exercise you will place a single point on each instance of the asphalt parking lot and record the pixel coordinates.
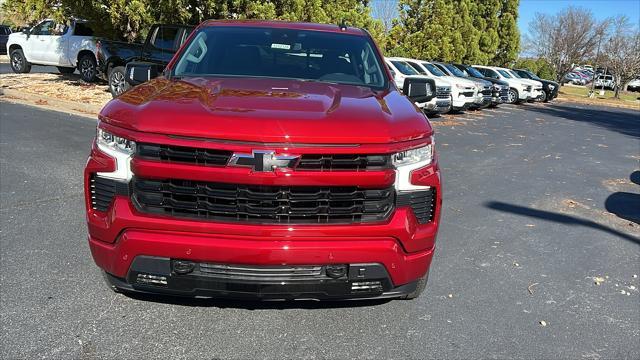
(541, 226)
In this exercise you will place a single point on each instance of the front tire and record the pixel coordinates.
(117, 82)
(19, 63)
(513, 96)
(545, 96)
(66, 70)
(87, 67)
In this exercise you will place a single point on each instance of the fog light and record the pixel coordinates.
(366, 286)
(336, 271)
(182, 267)
(149, 279)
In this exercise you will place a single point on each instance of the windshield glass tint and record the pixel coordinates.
(404, 68)
(433, 69)
(473, 72)
(514, 74)
(505, 74)
(282, 53)
(417, 68)
(454, 70)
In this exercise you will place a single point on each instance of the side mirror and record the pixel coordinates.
(419, 90)
(137, 73)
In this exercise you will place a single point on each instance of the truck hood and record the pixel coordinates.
(268, 111)
(457, 80)
(534, 83)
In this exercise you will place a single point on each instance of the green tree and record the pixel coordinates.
(486, 23)
(540, 67)
(129, 19)
(509, 44)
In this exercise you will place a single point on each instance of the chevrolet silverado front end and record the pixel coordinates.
(272, 160)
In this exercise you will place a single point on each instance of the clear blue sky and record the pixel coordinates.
(601, 9)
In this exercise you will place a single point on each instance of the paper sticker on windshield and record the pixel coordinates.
(281, 46)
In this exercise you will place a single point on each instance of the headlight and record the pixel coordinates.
(115, 142)
(420, 155)
(496, 87)
(407, 161)
(119, 148)
(461, 86)
(551, 87)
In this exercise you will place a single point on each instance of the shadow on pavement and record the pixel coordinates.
(625, 205)
(557, 217)
(255, 305)
(635, 177)
(624, 121)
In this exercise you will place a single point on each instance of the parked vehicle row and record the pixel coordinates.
(461, 87)
(72, 46)
(457, 87)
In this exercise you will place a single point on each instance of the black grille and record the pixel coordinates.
(528, 88)
(103, 191)
(486, 92)
(504, 93)
(249, 272)
(183, 154)
(206, 157)
(266, 204)
(423, 204)
(343, 162)
(467, 93)
(443, 92)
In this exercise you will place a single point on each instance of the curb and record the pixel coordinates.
(50, 103)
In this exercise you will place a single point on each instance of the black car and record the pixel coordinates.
(500, 89)
(549, 88)
(5, 31)
(161, 44)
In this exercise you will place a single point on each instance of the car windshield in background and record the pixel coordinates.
(404, 68)
(515, 74)
(505, 74)
(454, 70)
(433, 69)
(473, 72)
(532, 75)
(221, 51)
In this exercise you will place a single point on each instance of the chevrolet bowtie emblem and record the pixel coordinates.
(263, 160)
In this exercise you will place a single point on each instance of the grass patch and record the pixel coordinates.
(583, 91)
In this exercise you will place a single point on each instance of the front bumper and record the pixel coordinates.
(402, 245)
(437, 105)
(354, 281)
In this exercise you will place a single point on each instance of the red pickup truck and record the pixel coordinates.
(269, 160)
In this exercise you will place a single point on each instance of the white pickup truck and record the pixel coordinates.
(440, 104)
(69, 47)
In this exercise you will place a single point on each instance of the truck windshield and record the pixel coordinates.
(404, 68)
(454, 70)
(232, 51)
(531, 75)
(473, 72)
(433, 69)
(515, 74)
(505, 74)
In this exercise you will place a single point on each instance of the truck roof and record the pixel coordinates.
(286, 25)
